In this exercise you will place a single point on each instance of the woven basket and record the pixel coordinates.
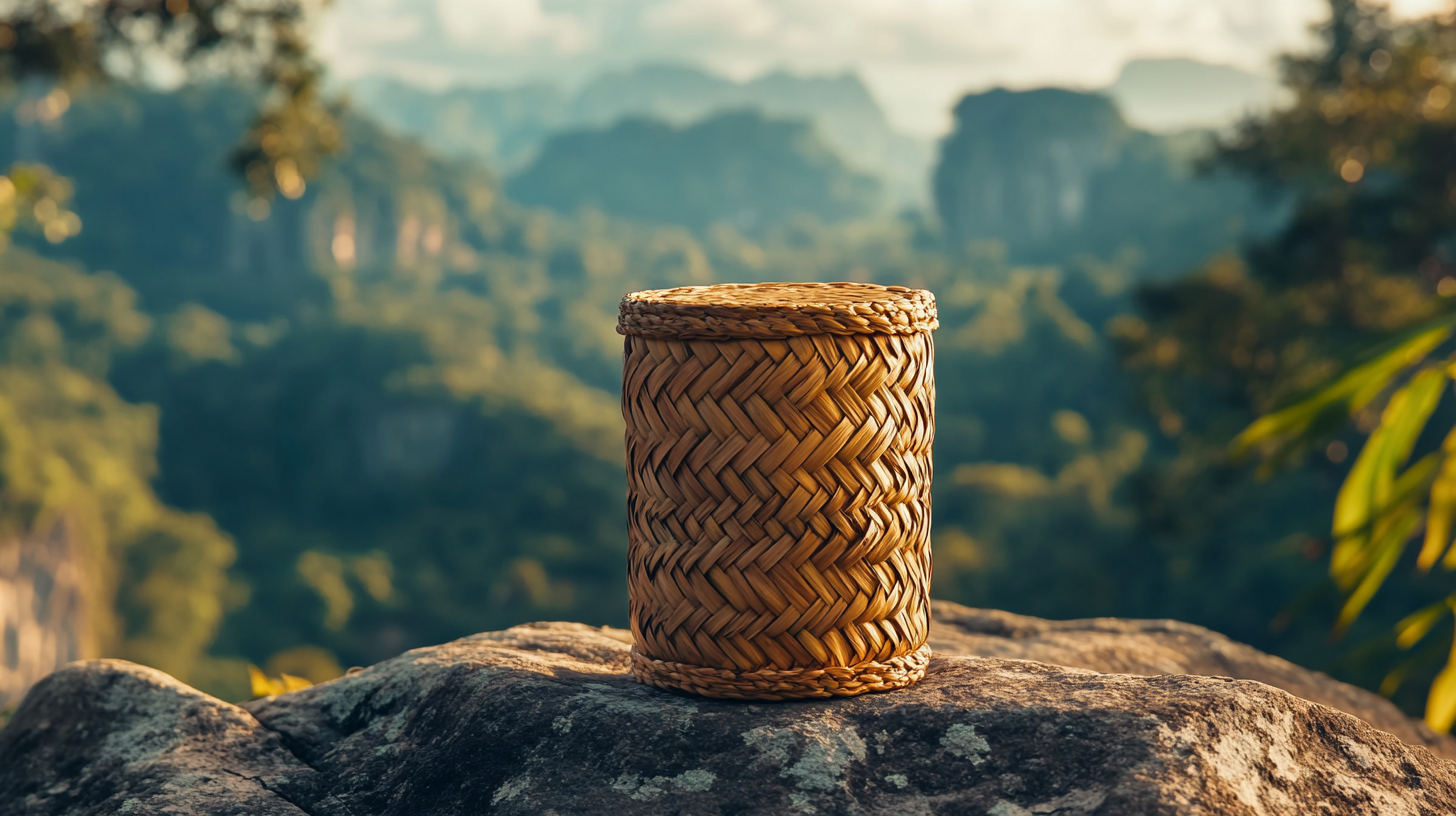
(778, 464)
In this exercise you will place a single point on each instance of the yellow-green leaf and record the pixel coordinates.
(1441, 701)
(1391, 684)
(1383, 557)
(265, 686)
(1368, 487)
(1416, 626)
(1352, 503)
(1382, 369)
(1352, 554)
(1405, 418)
(1356, 388)
(1441, 510)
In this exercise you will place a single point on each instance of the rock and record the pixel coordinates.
(1154, 647)
(542, 719)
(108, 736)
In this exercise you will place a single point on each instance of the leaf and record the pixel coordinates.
(1406, 420)
(1384, 555)
(1352, 518)
(1356, 388)
(1415, 481)
(1441, 701)
(1352, 554)
(1392, 681)
(1391, 684)
(1384, 369)
(1419, 624)
(1442, 509)
(1325, 425)
(1369, 484)
(265, 686)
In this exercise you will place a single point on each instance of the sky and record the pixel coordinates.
(917, 56)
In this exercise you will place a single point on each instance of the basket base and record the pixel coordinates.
(782, 684)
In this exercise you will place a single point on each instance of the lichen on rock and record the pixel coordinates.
(545, 719)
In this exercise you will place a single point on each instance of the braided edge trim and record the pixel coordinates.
(652, 314)
(783, 684)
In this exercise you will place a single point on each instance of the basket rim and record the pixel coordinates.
(775, 310)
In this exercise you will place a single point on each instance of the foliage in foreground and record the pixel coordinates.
(1364, 150)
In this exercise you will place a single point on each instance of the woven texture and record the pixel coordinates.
(773, 311)
(779, 490)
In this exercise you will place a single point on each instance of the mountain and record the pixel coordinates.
(842, 109)
(739, 167)
(502, 127)
(505, 126)
(1053, 174)
(1166, 95)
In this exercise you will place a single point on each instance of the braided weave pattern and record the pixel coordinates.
(773, 311)
(783, 684)
(779, 509)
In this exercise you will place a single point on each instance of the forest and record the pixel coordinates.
(308, 417)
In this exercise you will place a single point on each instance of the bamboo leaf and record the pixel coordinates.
(1384, 369)
(1356, 388)
(1415, 481)
(1442, 509)
(1352, 553)
(1441, 701)
(1370, 483)
(1348, 560)
(262, 684)
(265, 686)
(1419, 624)
(1384, 555)
(1352, 503)
(1405, 419)
(1391, 684)
(1325, 425)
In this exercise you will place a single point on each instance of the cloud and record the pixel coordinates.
(510, 26)
(917, 55)
(731, 19)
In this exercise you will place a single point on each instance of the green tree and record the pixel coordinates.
(1363, 153)
(77, 45)
(76, 457)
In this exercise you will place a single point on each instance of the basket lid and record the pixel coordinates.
(772, 310)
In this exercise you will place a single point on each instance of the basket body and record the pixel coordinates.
(779, 466)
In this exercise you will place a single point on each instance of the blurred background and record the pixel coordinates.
(307, 315)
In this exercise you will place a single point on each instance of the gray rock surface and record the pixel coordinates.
(108, 736)
(1154, 647)
(543, 719)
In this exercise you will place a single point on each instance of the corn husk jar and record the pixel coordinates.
(779, 464)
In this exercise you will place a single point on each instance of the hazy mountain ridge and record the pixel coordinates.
(1053, 175)
(506, 126)
(736, 167)
(1169, 95)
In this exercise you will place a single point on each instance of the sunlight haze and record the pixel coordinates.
(918, 56)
